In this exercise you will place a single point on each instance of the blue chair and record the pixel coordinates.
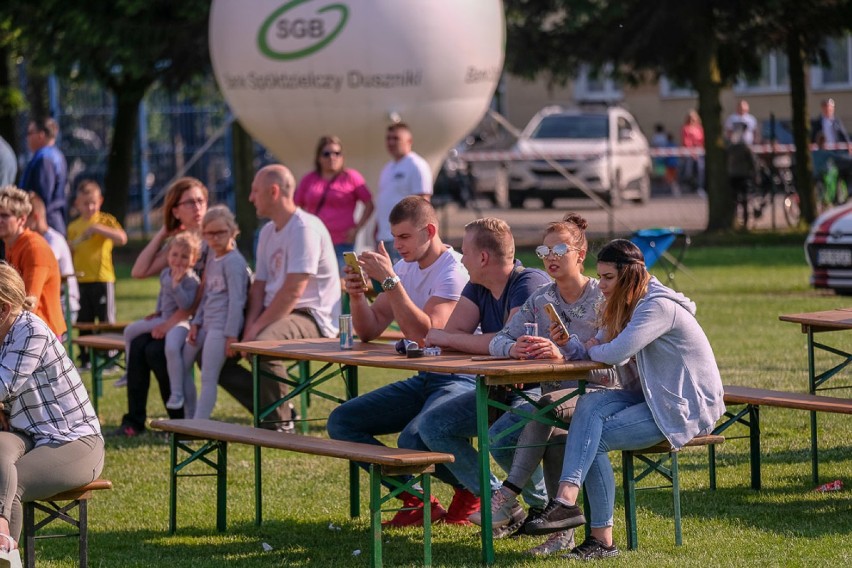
(655, 243)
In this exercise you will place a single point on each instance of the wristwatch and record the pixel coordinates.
(390, 283)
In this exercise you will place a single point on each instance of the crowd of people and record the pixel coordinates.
(664, 384)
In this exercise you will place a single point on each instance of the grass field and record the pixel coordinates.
(740, 291)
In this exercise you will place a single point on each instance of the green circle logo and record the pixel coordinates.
(299, 28)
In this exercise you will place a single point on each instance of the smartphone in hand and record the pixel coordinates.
(351, 259)
(554, 317)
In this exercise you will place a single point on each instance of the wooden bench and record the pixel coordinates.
(84, 328)
(659, 465)
(105, 350)
(383, 463)
(72, 499)
(749, 416)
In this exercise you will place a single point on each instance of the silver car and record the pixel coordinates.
(603, 149)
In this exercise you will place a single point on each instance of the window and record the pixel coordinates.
(774, 76)
(669, 88)
(596, 86)
(839, 50)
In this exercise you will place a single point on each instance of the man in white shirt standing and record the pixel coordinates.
(743, 123)
(296, 291)
(407, 173)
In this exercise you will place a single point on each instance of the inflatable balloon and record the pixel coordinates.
(294, 70)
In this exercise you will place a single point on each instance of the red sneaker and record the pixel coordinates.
(464, 505)
(411, 515)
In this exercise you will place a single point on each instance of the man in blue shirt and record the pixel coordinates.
(499, 285)
(47, 173)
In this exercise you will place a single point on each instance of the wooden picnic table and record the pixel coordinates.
(839, 319)
(488, 370)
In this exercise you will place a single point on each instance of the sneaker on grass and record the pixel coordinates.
(121, 381)
(556, 542)
(556, 517)
(505, 510)
(592, 549)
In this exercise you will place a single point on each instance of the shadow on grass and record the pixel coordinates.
(294, 543)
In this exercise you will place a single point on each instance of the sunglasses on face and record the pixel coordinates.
(330, 153)
(557, 251)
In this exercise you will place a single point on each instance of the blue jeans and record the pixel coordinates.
(603, 421)
(397, 407)
(449, 428)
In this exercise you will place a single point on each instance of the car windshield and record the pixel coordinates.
(584, 127)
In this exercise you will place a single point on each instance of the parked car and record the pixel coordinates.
(602, 148)
(828, 250)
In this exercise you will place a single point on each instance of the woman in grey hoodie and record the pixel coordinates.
(679, 395)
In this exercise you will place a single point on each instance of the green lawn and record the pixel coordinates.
(740, 291)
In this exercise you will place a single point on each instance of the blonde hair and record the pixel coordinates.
(188, 241)
(493, 235)
(15, 200)
(12, 290)
(573, 225)
(221, 212)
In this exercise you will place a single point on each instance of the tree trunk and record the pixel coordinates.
(8, 99)
(120, 161)
(241, 165)
(707, 81)
(801, 128)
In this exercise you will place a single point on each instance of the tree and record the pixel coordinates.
(704, 44)
(126, 46)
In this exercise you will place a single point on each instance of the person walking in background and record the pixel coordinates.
(8, 164)
(47, 172)
(692, 136)
(31, 256)
(407, 173)
(92, 236)
(37, 221)
(742, 122)
(678, 394)
(295, 293)
(219, 319)
(178, 290)
(50, 437)
(831, 127)
(742, 172)
(331, 192)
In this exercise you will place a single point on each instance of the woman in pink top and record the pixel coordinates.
(692, 136)
(331, 192)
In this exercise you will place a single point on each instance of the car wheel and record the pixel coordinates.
(516, 199)
(548, 202)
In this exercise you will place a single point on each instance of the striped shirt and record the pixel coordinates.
(40, 387)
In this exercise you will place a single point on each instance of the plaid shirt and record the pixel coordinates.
(40, 387)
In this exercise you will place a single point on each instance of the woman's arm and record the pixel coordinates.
(652, 319)
(152, 260)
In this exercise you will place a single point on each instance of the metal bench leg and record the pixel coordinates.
(754, 443)
(172, 483)
(29, 535)
(83, 519)
(426, 483)
(222, 487)
(629, 478)
(376, 516)
(676, 498)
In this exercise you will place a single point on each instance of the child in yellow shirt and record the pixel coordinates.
(92, 236)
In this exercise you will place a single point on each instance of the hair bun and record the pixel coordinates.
(576, 219)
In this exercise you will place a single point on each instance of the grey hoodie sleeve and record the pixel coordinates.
(503, 341)
(186, 290)
(651, 319)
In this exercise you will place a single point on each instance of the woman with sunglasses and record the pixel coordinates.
(575, 298)
(678, 395)
(331, 192)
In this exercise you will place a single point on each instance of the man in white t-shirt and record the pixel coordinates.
(296, 291)
(405, 174)
(419, 292)
(742, 123)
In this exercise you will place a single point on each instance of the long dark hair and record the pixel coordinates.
(630, 287)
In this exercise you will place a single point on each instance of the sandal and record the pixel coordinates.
(10, 556)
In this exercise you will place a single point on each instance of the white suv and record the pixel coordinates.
(603, 147)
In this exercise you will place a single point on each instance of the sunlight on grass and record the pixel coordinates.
(740, 292)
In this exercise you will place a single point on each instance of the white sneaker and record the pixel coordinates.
(556, 542)
(504, 510)
(175, 401)
(121, 382)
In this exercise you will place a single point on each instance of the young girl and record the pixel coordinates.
(50, 437)
(219, 319)
(178, 288)
(679, 395)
